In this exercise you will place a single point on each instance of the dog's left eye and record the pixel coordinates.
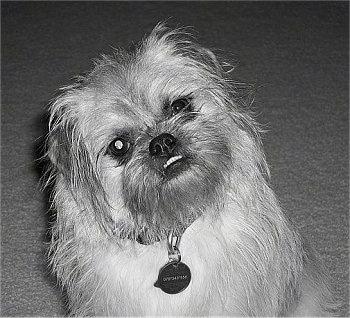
(119, 147)
(180, 105)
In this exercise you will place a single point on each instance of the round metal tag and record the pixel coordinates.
(173, 277)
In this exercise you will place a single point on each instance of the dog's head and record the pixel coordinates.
(152, 139)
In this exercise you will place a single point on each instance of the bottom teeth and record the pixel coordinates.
(171, 161)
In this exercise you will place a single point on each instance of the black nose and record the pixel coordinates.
(162, 145)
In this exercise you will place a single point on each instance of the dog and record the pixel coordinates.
(160, 187)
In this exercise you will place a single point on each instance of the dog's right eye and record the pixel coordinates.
(118, 147)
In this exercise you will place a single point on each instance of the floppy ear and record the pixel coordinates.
(72, 162)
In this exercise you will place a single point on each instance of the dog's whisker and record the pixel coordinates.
(216, 153)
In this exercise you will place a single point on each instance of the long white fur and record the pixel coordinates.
(245, 257)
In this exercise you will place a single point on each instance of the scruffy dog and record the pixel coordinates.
(160, 189)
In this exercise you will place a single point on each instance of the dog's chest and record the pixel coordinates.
(127, 283)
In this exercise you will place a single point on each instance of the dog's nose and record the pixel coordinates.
(162, 145)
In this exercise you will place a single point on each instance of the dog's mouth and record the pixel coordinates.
(175, 165)
(172, 161)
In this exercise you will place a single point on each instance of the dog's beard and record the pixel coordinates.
(162, 195)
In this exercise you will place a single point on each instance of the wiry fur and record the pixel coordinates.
(245, 258)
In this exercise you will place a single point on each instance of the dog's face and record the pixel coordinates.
(149, 140)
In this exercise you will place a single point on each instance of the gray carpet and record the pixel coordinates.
(297, 53)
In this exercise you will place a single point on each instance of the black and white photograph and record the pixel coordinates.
(175, 158)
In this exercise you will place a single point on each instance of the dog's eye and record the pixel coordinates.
(119, 147)
(180, 105)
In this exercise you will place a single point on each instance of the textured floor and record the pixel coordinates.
(297, 53)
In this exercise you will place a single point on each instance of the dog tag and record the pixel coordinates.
(173, 277)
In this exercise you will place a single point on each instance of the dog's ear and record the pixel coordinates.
(72, 162)
(181, 41)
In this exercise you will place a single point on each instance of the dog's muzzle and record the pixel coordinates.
(165, 148)
(162, 145)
